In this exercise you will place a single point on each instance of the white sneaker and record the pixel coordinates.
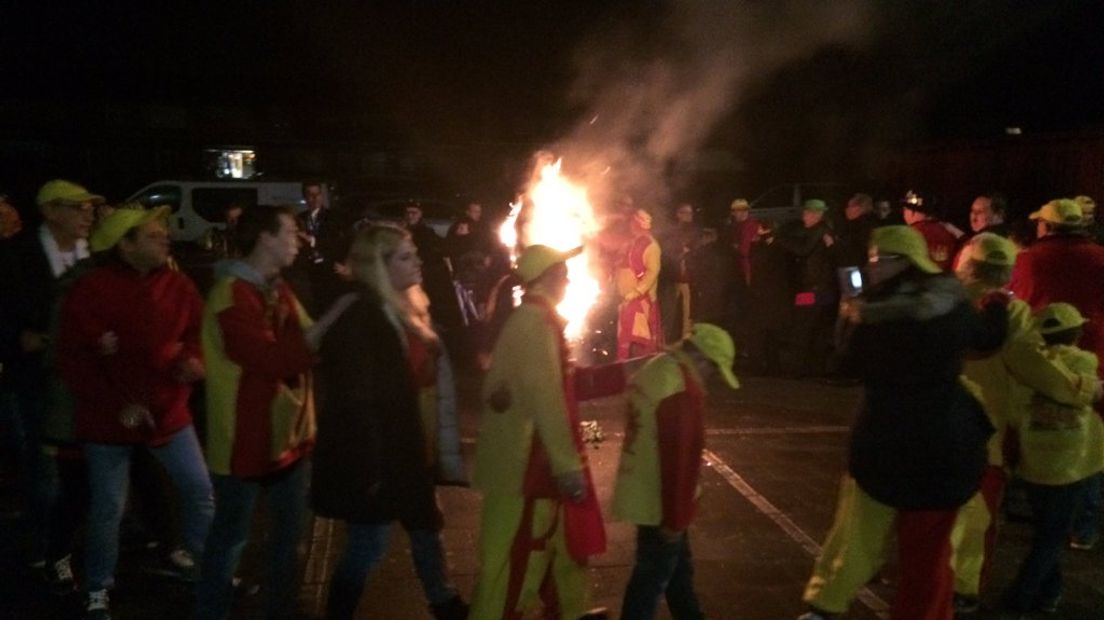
(60, 576)
(97, 606)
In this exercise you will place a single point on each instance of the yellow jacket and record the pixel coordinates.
(638, 271)
(526, 365)
(1061, 444)
(638, 492)
(1023, 367)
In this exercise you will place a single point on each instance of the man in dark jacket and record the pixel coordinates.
(31, 266)
(325, 244)
(853, 237)
(808, 244)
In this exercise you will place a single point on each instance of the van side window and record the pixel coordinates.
(161, 195)
(210, 203)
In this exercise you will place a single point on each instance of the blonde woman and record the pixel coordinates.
(374, 456)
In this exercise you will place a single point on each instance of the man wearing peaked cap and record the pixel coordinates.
(742, 233)
(1064, 265)
(32, 266)
(1094, 228)
(658, 477)
(920, 212)
(809, 243)
(530, 461)
(129, 351)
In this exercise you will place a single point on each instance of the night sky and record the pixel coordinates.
(774, 82)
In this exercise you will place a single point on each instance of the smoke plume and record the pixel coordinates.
(650, 93)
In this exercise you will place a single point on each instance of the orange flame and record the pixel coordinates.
(561, 217)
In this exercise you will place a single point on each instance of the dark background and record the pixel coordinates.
(440, 99)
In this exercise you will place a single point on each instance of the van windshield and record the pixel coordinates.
(161, 195)
(211, 203)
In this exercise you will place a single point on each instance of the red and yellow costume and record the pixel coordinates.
(638, 315)
(532, 543)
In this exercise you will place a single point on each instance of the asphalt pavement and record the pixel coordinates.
(775, 453)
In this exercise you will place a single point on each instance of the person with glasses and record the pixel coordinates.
(32, 264)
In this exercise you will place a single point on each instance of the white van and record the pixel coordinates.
(200, 205)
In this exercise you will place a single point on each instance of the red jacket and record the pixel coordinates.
(942, 243)
(1068, 268)
(156, 318)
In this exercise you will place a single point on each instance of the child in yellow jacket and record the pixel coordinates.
(1061, 448)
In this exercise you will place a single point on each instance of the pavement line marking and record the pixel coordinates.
(782, 520)
(721, 432)
(779, 430)
(328, 526)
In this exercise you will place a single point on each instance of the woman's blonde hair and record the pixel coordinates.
(372, 248)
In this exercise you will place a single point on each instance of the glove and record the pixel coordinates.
(572, 486)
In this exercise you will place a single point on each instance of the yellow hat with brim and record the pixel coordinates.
(740, 204)
(536, 259)
(993, 249)
(1059, 317)
(113, 227)
(60, 190)
(716, 344)
(1087, 204)
(907, 242)
(1062, 211)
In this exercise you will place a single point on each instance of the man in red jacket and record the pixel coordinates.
(942, 238)
(1067, 265)
(128, 351)
(1064, 265)
(260, 410)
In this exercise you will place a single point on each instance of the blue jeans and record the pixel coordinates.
(661, 568)
(235, 499)
(366, 543)
(108, 481)
(1086, 515)
(1039, 579)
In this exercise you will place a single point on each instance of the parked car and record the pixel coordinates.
(199, 205)
(782, 203)
(437, 214)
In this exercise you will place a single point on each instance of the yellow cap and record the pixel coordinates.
(814, 204)
(536, 259)
(65, 191)
(1087, 204)
(992, 248)
(740, 204)
(1060, 211)
(114, 226)
(906, 241)
(716, 344)
(1059, 317)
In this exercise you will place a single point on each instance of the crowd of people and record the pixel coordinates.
(327, 385)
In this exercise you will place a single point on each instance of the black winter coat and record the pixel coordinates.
(919, 442)
(369, 456)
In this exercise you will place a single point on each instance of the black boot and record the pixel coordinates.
(453, 609)
(342, 601)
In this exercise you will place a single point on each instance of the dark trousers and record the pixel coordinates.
(662, 569)
(1039, 580)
